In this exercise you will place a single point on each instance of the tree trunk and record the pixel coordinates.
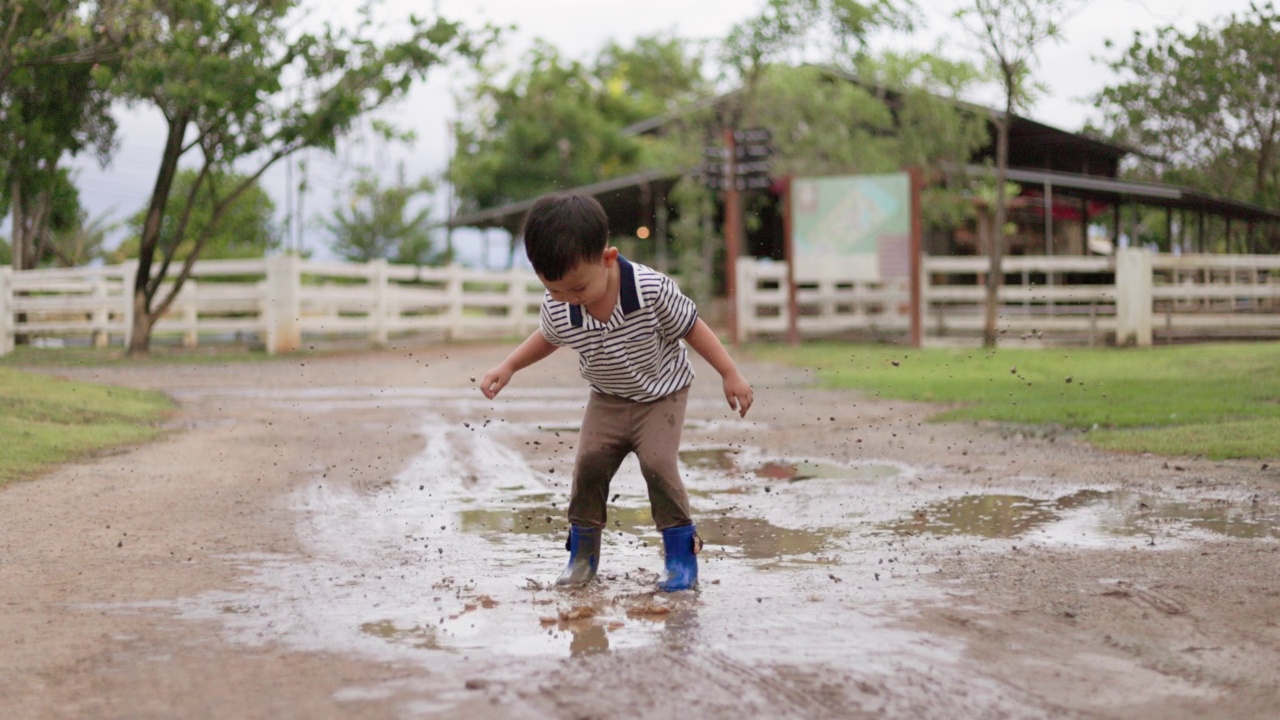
(18, 252)
(144, 286)
(16, 215)
(140, 335)
(995, 249)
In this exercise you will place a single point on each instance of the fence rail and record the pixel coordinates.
(277, 301)
(1136, 296)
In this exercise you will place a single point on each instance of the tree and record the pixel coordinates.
(655, 75)
(376, 226)
(50, 106)
(1206, 105)
(896, 111)
(559, 123)
(831, 32)
(56, 215)
(246, 228)
(241, 86)
(36, 32)
(1009, 32)
(83, 242)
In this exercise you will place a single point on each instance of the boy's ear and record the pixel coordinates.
(610, 255)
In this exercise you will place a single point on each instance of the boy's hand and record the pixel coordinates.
(738, 392)
(496, 379)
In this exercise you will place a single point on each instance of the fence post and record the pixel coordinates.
(129, 272)
(455, 297)
(6, 310)
(190, 314)
(920, 300)
(1134, 283)
(282, 304)
(101, 312)
(516, 302)
(379, 283)
(744, 298)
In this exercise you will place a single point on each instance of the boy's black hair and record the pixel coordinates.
(563, 230)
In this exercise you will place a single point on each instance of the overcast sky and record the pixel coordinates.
(579, 28)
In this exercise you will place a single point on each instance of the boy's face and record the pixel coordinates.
(586, 283)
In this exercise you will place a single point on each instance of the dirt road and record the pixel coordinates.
(365, 536)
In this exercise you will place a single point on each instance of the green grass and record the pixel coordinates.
(45, 420)
(27, 356)
(1215, 400)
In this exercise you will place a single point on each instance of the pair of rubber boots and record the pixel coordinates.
(680, 544)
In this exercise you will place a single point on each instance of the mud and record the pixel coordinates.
(367, 536)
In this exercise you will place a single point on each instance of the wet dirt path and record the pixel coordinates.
(367, 536)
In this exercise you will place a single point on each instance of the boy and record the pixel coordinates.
(626, 321)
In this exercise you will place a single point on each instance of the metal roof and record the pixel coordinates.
(1121, 191)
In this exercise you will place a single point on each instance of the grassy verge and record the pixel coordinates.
(1217, 400)
(27, 356)
(44, 420)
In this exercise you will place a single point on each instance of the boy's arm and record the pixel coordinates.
(736, 388)
(534, 348)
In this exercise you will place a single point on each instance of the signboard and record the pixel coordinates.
(749, 167)
(855, 226)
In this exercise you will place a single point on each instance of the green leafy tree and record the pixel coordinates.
(82, 242)
(50, 107)
(831, 32)
(378, 223)
(1009, 33)
(655, 75)
(558, 123)
(826, 122)
(48, 225)
(1204, 105)
(241, 85)
(245, 229)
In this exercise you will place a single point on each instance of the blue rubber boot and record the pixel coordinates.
(681, 545)
(584, 556)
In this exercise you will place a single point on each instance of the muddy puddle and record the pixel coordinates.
(807, 560)
(1119, 514)
(731, 461)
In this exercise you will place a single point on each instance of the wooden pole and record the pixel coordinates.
(917, 258)
(732, 231)
(789, 253)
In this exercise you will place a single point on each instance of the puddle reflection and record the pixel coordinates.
(757, 538)
(794, 472)
(1124, 514)
(546, 520)
(589, 639)
(1220, 518)
(722, 459)
(989, 516)
(416, 636)
(726, 461)
(760, 539)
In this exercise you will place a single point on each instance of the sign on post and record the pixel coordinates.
(740, 165)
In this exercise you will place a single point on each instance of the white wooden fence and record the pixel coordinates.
(276, 301)
(1134, 297)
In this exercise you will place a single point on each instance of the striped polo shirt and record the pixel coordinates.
(637, 355)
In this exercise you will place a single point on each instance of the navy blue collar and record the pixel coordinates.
(628, 292)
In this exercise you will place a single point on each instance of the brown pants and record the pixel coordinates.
(612, 428)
